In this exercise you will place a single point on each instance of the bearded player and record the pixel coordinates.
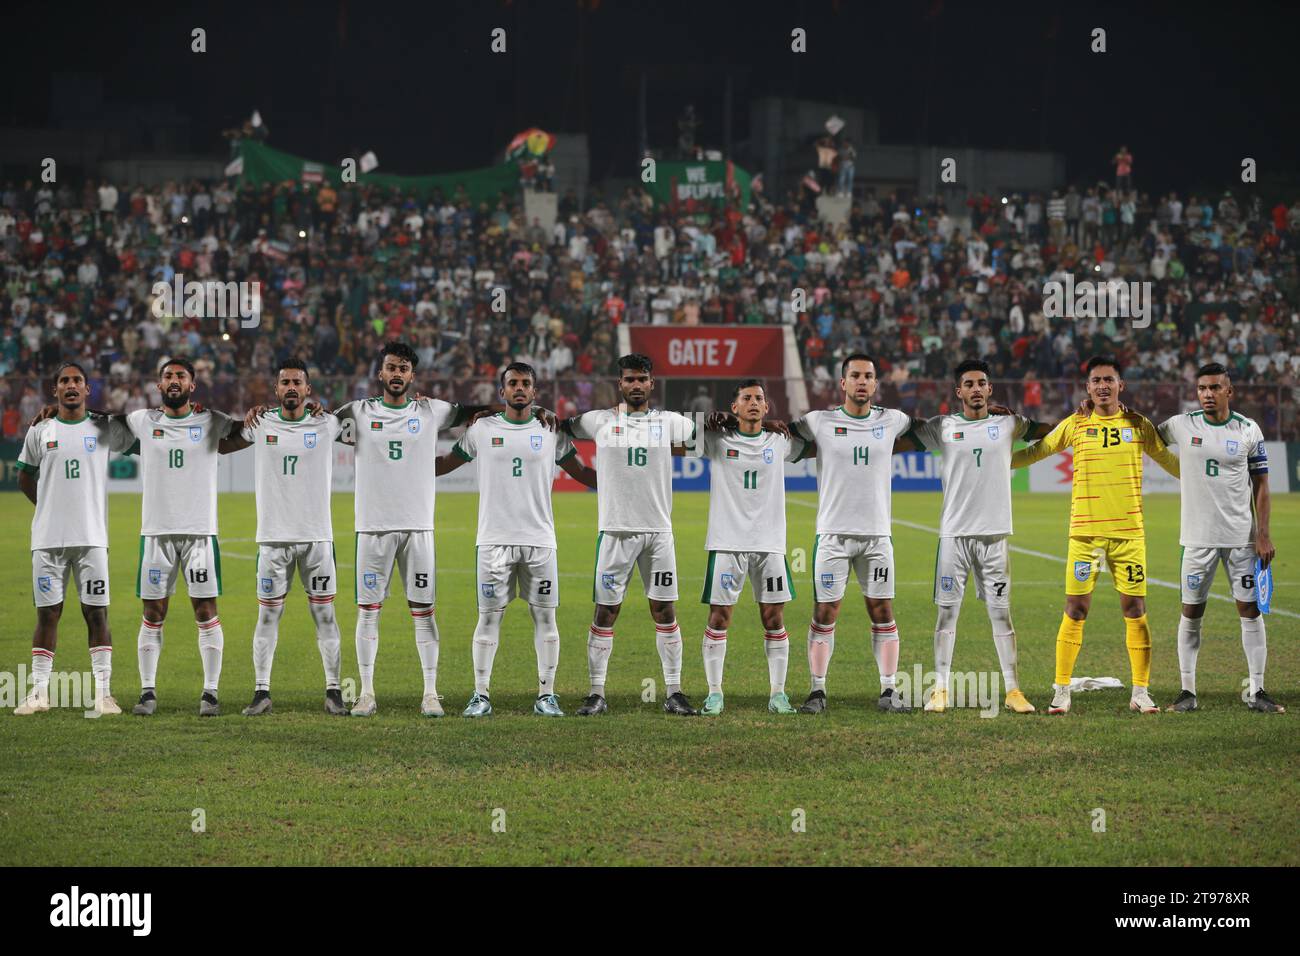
(1105, 522)
(1225, 479)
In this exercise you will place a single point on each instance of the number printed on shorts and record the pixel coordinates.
(543, 588)
(1136, 574)
(662, 579)
(320, 582)
(95, 587)
(198, 575)
(1248, 582)
(775, 584)
(880, 574)
(421, 579)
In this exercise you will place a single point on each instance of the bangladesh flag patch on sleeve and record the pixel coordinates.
(52, 444)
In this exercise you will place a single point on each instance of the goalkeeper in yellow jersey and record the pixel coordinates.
(1105, 522)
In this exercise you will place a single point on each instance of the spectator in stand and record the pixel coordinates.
(1123, 163)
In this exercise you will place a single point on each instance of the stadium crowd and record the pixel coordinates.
(917, 284)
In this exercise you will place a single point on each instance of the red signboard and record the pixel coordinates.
(712, 351)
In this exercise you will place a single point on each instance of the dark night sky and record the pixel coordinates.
(1190, 88)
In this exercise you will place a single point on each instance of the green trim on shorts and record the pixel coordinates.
(356, 595)
(817, 540)
(789, 577)
(705, 597)
(934, 589)
(595, 565)
(216, 561)
(139, 567)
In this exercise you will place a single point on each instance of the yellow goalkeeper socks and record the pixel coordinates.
(1069, 641)
(1138, 638)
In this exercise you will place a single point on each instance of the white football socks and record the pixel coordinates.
(821, 645)
(546, 642)
(487, 635)
(149, 645)
(1254, 642)
(945, 638)
(600, 644)
(668, 640)
(715, 654)
(426, 644)
(328, 640)
(367, 644)
(211, 642)
(884, 647)
(42, 664)
(1189, 646)
(776, 645)
(265, 635)
(101, 665)
(1004, 640)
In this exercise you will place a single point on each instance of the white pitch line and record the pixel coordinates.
(1057, 558)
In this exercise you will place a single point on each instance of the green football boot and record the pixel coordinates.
(479, 706)
(779, 703)
(712, 705)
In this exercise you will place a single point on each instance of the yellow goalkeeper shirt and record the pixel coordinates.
(1106, 499)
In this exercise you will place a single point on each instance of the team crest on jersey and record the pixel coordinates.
(1126, 434)
(196, 433)
(958, 436)
(1232, 448)
(729, 581)
(155, 576)
(273, 439)
(732, 453)
(656, 432)
(413, 425)
(1193, 582)
(266, 585)
(841, 430)
(1082, 570)
(92, 442)
(488, 589)
(878, 431)
(993, 432)
(309, 440)
(44, 584)
(370, 580)
(497, 441)
(157, 433)
(1196, 440)
(945, 583)
(767, 456)
(535, 442)
(607, 581)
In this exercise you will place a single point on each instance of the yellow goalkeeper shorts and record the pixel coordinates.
(1126, 558)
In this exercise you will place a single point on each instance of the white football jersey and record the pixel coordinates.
(855, 468)
(294, 467)
(396, 447)
(71, 458)
(747, 490)
(1215, 464)
(178, 459)
(516, 469)
(634, 462)
(975, 465)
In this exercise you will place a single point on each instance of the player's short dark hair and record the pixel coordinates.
(399, 350)
(858, 357)
(970, 365)
(1212, 368)
(635, 362)
(77, 365)
(296, 363)
(747, 383)
(521, 367)
(1097, 360)
(180, 360)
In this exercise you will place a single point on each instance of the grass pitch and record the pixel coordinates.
(853, 787)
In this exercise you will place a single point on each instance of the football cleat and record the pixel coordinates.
(1017, 702)
(364, 707)
(938, 701)
(891, 703)
(261, 704)
(208, 706)
(1184, 703)
(36, 703)
(779, 703)
(431, 706)
(815, 704)
(334, 705)
(712, 705)
(478, 706)
(548, 705)
(1060, 699)
(1141, 702)
(1264, 704)
(678, 704)
(592, 705)
(146, 705)
(106, 707)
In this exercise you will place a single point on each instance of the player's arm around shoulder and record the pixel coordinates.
(1155, 445)
(29, 462)
(465, 450)
(232, 433)
(575, 467)
(1057, 439)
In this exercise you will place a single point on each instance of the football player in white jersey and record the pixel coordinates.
(63, 471)
(293, 453)
(634, 446)
(854, 446)
(396, 441)
(179, 445)
(1224, 472)
(746, 539)
(975, 446)
(515, 547)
